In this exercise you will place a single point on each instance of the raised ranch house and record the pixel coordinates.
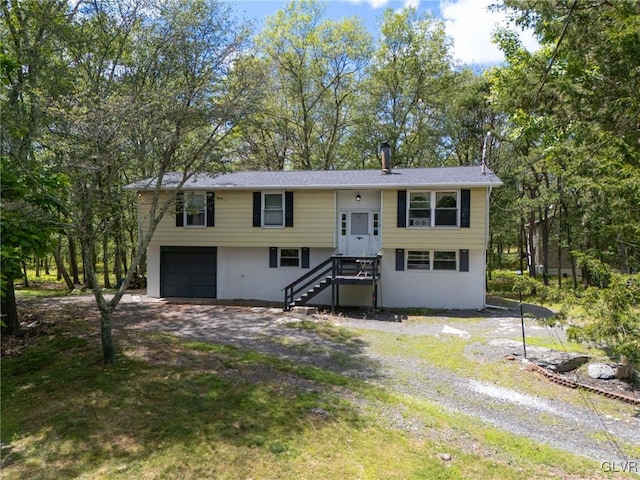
(386, 238)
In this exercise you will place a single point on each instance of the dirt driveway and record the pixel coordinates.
(578, 429)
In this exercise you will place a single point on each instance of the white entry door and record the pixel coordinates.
(359, 232)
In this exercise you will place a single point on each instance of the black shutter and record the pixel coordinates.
(288, 209)
(399, 259)
(257, 209)
(464, 260)
(211, 209)
(180, 209)
(402, 208)
(305, 257)
(465, 208)
(273, 257)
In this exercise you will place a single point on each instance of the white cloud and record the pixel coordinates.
(411, 4)
(470, 24)
(372, 3)
(383, 3)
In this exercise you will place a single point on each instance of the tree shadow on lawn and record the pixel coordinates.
(165, 394)
(265, 330)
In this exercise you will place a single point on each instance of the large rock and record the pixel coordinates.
(562, 362)
(601, 371)
(553, 360)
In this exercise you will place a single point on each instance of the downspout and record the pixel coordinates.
(486, 227)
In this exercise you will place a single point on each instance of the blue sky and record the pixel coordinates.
(468, 22)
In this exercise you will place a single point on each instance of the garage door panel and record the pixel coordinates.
(188, 272)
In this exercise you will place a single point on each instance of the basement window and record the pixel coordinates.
(289, 257)
(445, 261)
(418, 260)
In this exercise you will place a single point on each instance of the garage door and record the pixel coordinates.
(188, 272)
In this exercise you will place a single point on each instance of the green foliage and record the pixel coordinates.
(312, 70)
(27, 215)
(612, 316)
(409, 85)
(574, 137)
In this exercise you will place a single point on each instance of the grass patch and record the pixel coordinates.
(188, 410)
(448, 353)
(327, 331)
(546, 342)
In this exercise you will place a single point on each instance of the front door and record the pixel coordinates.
(359, 233)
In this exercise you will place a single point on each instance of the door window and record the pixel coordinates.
(359, 223)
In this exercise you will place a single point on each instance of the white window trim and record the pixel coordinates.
(299, 250)
(185, 223)
(432, 255)
(263, 207)
(432, 204)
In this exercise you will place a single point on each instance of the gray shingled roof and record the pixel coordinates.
(333, 179)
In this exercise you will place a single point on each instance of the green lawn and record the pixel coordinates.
(188, 410)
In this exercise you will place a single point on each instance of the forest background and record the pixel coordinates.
(98, 94)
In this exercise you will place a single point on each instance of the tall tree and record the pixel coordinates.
(575, 106)
(32, 72)
(154, 92)
(408, 83)
(314, 68)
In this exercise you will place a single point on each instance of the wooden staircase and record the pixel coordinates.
(334, 271)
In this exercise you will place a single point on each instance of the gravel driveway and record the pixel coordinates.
(580, 430)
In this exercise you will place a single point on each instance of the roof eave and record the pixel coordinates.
(319, 187)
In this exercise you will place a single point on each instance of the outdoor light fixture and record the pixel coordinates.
(358, 197)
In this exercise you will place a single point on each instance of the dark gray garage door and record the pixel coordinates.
(188, 272)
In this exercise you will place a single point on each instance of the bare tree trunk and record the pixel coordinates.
(36, 261)
(108, 348)
(560, 249)
(73, 260)
(106, 309)
(118, 250)
(8, 308)
(521, 248)
(105, 260)
(490, 259)
(531, 244)
(85, 266)
(544, 236)
(46, 265)
(24, 275)
(62, 271)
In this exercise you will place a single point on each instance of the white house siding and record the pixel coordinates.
(244, 273)
(433, 288)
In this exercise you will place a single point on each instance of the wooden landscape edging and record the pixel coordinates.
(573, 384)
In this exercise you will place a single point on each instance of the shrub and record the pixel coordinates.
(613, 316)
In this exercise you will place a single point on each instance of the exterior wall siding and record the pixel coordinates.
(434, 288)
(243, 251)
(314, 224)
(434, 237)
(244, 273)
